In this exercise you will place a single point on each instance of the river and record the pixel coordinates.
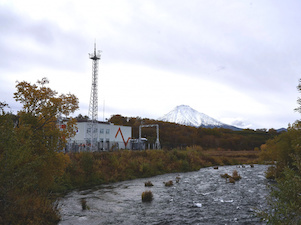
(200, 197)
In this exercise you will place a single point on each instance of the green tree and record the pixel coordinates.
(285, 198)
(30, 162)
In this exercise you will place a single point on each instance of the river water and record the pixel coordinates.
(200, 197)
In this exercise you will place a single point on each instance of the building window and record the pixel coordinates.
(88, 130)
(95, 130)
(101, 131)
(107, 131)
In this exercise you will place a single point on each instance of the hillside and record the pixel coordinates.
(174, 135)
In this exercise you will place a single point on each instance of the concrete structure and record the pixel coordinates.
(107, 137)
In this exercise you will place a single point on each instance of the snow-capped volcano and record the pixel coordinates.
(188, 116)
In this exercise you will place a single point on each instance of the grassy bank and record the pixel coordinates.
(234, 157)
(88, 169)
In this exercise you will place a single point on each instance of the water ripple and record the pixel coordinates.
(200, 197)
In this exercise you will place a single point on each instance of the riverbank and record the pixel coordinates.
(89, 169)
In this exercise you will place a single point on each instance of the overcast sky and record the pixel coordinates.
(236, 61)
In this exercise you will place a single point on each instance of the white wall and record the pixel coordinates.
(111, 133)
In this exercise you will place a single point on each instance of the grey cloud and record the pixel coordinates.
(251, 48)
(255, 64)
(55, 47)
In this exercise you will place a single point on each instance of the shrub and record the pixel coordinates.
(168, 184)
(231, 180)
(147, 196)
(84, 204)
(285, 200)
(225, 176)
(148, 184)
(235, 175)
(271, 173)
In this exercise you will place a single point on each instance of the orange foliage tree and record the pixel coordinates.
(29, 159)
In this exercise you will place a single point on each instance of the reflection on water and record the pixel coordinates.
(200, 197)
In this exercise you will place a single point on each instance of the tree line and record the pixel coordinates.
(174, 135)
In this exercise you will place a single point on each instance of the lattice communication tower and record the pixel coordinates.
(93, 105)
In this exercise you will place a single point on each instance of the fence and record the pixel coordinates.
(79, 146)
(133, 144)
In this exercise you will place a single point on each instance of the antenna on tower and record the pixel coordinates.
(93, 105)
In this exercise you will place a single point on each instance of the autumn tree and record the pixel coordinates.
(80, 117)
(285, 198)
(30, 162)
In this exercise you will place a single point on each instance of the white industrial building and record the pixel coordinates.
(108, 137)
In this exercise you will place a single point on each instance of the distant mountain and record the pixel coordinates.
(188, 116)
(281, 130)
